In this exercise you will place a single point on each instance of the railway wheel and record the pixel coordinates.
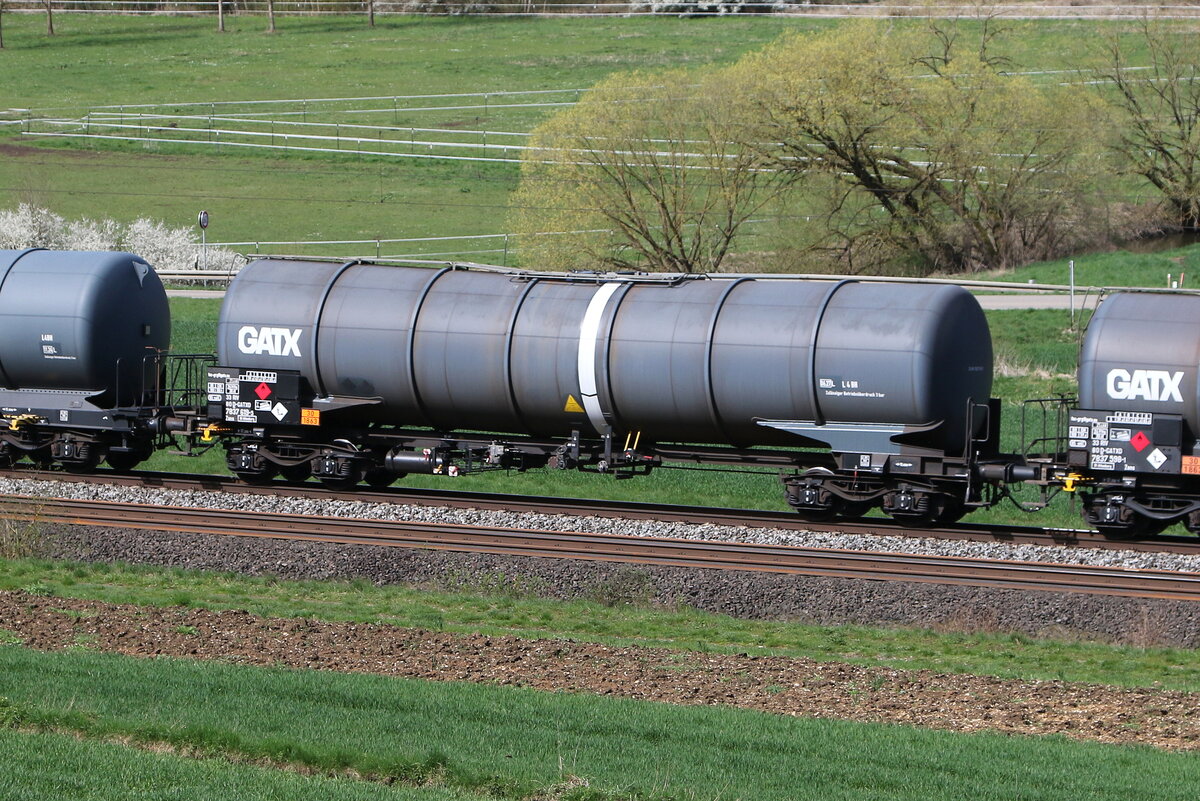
(350, 478)
(1117, 521)
(854, 510)
(1128, 531)
(124, 461)
(296, 473)
(257, 477)
(917, 507)
(810, 499)
(378, 478)
(1139, 527)
(76, 455)
(339, 482)
(87, 464)
(953, 511)
(816, 515)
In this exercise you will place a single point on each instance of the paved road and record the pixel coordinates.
(196, 293)
(1042, 300)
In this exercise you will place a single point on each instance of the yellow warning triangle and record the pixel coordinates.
(572, 405)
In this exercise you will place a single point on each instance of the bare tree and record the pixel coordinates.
(270, 16)
(221, 16)
(961, 168)
(643, 172)
(50, 17)
(1158, 115)
(371, 12)
(1, 24)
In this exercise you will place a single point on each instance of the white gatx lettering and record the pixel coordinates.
(273, 341)
(1151, 385)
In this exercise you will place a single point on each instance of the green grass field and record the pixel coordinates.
(97, 61)
(1118, 268)
(260, 196)
(510, 743)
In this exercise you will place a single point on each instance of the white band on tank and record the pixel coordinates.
(589, 332)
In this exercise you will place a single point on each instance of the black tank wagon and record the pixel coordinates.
(864, 394)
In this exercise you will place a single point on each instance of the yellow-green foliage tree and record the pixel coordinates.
(646, 171)
(925, 150)
(1158, 114)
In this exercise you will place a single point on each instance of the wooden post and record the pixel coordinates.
(49, 18)
(270, 16)
(221, 16)
(371, 12)
(1, 24)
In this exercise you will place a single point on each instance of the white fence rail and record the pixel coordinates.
(355, 139)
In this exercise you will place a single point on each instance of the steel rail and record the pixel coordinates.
(614, 548)
(632, 510)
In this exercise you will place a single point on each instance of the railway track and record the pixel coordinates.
(613, 548)
(1034, 535)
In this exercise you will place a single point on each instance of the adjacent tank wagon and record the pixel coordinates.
(81, 335)
(1132, 450)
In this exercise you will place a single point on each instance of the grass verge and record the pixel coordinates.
(617, 615)
(509, 743)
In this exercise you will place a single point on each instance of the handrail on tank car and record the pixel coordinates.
(599, 276)
(1055, 438)
(186, 379)
(151, 358)
(175, 379)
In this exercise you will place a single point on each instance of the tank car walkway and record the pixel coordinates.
(1013, 301)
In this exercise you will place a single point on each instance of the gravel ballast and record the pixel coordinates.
(1131, 560)
(741, 594)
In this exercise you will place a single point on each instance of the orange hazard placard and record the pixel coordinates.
(1191, 464)
(310, 417)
